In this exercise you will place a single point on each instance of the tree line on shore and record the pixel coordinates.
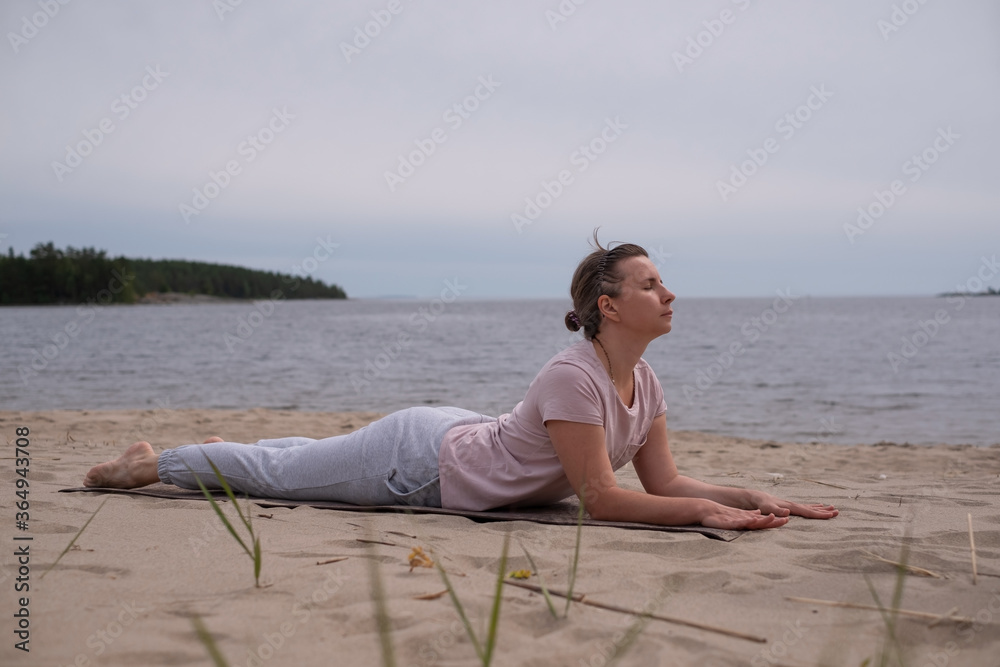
(50, 275)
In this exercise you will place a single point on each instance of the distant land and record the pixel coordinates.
(53, 276)
(989, 291)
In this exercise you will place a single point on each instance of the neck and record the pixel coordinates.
(624, 353)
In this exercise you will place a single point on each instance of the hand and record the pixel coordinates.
(731, 518)
(765, 502)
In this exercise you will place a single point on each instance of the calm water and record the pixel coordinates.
(818, 370)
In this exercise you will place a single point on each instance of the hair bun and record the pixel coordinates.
(572, 321)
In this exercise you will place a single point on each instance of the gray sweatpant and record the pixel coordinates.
(392, 461)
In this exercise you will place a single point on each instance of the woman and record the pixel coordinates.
(590, 410)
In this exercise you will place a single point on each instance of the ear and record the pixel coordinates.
(607, 307)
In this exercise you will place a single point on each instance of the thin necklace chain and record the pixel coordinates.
(606, 356)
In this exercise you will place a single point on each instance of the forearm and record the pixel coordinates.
(687, 487)
(617, 504)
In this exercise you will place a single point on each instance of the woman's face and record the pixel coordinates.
(644, 305)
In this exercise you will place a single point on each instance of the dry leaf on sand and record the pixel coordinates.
(418, 558)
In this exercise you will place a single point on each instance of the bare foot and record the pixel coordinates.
(135, 468)
(214, 438)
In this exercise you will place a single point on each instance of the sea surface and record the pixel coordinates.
(846, 370)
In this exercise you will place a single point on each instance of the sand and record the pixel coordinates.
(126, 592)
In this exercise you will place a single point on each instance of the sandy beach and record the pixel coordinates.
(125, 593)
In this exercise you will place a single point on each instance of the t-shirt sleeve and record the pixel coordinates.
(567, 392)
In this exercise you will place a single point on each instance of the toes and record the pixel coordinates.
(93, 477)
(214, 438)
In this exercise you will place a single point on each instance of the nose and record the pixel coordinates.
(668, 296)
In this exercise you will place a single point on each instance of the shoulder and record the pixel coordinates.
(568, 388)
(576, 361)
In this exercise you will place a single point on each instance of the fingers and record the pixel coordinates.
(815, 511)
(811, 511)
(776, 507)
(770, 521)
(734, 519)
(760, 522)
(777, 515)
(822, 513)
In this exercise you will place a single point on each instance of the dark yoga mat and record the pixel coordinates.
(562, 514)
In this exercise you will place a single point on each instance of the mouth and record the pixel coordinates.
(669, 313)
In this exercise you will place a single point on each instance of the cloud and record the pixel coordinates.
(353, 120)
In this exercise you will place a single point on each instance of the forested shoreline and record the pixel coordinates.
(49, 275)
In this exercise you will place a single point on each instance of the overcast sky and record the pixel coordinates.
(734, 139)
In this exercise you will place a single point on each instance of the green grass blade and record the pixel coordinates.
(257, 559)
(461, 611)
(381, 611)
(878, 602)
(888, 619)
(541, 583)
(576, 552)
(897, 601)
(897, 594)
(206, 638)
(73, 541)
(491, 635)
(631, 635)
(229, 492)
(218, 511)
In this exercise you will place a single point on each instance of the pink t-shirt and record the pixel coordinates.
(511, 461)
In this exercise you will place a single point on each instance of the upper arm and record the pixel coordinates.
(584, 457)
(653, 463)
